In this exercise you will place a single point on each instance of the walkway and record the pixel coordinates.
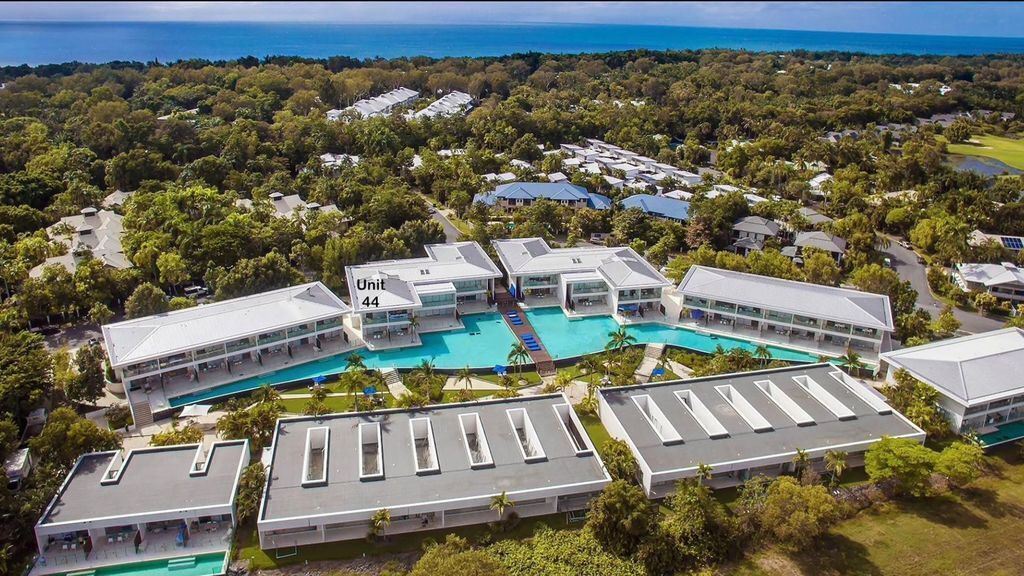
(652, 357)
(541, 358)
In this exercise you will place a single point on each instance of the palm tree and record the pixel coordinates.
(501, 502)
(800, 462)
(763, 354)
(354, 385)
(265, 394)
(835, 463)
(619, 339)
(518, 356)
(851, 360)
(355, 362)
(703, 472)
(464, 375)
(380, 522)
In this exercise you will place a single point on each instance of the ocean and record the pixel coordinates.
(48, 43)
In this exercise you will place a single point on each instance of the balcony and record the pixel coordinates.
(724, 307)
(328, 323)
(782, 318)
(300, 330)
(803, 321)
(271, 338)
(239, 345)
(749, 312)
(209, 352)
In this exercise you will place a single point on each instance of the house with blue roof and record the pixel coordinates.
(515, 195)
(659, 206)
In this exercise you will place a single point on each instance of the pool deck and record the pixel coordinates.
(541, 359)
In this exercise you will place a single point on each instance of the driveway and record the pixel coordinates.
(906, 265)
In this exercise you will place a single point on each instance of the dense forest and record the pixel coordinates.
(191, 139)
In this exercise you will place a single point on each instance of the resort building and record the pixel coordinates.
(818, 183)
(659, 207)
(92, 233)
(1012, 243)
(450, 104)
(290, 206)
(813, 217)
(1004, 281)
(174, 505)
(750, 233)
(977, 380)
(747, 424)
(822, 319)
(510, 197)
(434, 467)
(160, 360)
(831, 244)
(393, 301)
(584, 281)
(378, 105)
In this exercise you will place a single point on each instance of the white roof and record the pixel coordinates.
(820, 179)
(405, 279)
(620, 267)
(991, 274)
(837, 304)
(971, 370)
(142, 339)
(98, 231)
(380, 104)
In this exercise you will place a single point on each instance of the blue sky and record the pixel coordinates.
(944, 18)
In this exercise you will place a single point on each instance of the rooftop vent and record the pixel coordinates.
(572, 427)
(577, 261)
(702, 414)
(657, 419)
(529, 442)
(275, 196)
(475, 440)
(744, 408)
(819, 393)
(783, 401)
(314, 462)
(371, 454)
(424, 450)
(89, 211)
(424, 271)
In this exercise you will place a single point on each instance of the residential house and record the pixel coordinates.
(751, 232)
(659, 207)
(510, 197)
(1004, 281)
(91, 234)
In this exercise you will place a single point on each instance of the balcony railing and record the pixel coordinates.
(209, 353)
(329, 323)
(723, 307)
(271, 338)
(750, 312)
(299, 331)
(776, 317)
(239, 345)
(809, 322)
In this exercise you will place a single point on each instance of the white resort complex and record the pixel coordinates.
(798, 314)
(584, 281)
(173, 504)
(395, 300)
(977, 378)
(159, 359)
(431, 468)
(746, 424)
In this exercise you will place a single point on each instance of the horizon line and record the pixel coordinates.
(500, 24)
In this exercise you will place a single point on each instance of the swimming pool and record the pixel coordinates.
(567, 338)
(203, 565)
(486, 340)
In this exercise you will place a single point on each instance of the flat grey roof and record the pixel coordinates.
(401, 486)
(170, 333)
(742, 443)
(971, 369)
(838, 304)
(153, 480)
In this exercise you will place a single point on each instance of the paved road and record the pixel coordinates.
(907, 266)
(451, 233)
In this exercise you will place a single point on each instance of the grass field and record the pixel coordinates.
(1007, 150)
(974, 532)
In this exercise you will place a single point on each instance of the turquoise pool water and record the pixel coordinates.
(205, 565)
(567, 338)
(486, 340)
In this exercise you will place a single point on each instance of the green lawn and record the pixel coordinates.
(335, 403)
(531, 377)
(247, 544)
(598, 435)
(1007, 150)
(976, 532)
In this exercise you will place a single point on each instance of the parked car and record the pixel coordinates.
(196, 291)
(905, 244)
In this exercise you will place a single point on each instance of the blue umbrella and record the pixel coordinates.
(658, 372)
(319, 379)
(499, 369)
(370, 390)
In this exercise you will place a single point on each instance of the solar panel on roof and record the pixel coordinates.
(1012, 242)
